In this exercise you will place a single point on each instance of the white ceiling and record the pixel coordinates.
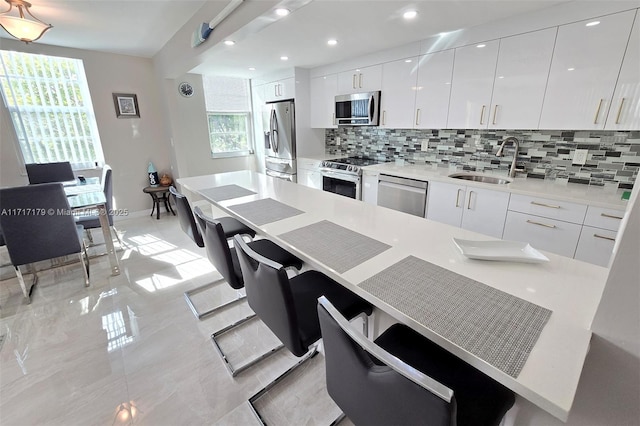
(142, 27)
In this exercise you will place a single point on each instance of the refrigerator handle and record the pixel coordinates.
(274, 130)
(371, 108)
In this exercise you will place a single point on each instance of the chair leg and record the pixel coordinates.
(237, 370)
(84, 260)
(89, 235)
(200, 315)
(312, 352)
(27, 293)
(115, 231)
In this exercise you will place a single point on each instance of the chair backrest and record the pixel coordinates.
(185, 217)
(49, 172)
(218, 251)
(370, 391)
(107, 188)
(37, 223)
(269, 295)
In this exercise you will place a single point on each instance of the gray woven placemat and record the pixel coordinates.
(335, 246)
(264, 211)
(491, 324)
(226, 192)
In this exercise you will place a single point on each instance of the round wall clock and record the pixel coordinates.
(185, 89)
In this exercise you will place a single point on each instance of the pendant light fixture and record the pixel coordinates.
(21, 27)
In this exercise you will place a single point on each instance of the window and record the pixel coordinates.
(50, 107)
(228, 104)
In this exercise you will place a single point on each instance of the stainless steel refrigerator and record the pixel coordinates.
(280, 140)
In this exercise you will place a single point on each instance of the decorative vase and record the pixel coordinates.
(153, 175)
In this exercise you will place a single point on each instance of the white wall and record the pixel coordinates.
(189, 133)
(128, 144)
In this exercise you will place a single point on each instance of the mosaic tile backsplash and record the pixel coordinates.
(613, 159)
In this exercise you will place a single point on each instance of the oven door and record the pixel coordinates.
(347, 185)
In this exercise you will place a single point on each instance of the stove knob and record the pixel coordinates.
(350, 168)
(324, 164)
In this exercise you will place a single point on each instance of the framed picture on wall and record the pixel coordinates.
(126, 105)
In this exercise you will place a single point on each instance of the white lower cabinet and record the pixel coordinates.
(475, 209)
(598, 235)
(309, 173)
(370, 187)
(595, 245)
(542, 233)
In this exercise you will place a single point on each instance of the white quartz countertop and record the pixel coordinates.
(570, 288)
(572, 192)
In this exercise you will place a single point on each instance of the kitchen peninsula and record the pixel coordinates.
(570, 289)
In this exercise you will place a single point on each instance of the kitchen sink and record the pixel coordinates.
(480, 178)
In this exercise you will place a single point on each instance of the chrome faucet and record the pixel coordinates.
(516, 145)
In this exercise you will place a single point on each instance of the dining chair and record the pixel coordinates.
(225, 259)
(92, 221)
(49, 172)
(230, 226)
(288, 305)
(402, 378)
(38, 225)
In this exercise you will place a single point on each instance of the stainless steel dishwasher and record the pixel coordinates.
(402, 194)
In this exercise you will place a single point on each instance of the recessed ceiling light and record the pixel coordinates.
(481, 45)
(592, 23)
(410, 14)
(229, 42)
(284, 58)
(502, 76)
(332, 42)
(252, 68)
(282, 11)
(570, 69)
(407, 60)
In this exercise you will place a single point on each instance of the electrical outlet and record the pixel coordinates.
(337, 141)
(580, 156)
(424, 146)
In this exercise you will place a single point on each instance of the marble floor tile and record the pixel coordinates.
(128, 350)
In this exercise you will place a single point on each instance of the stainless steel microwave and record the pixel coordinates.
(358, 109)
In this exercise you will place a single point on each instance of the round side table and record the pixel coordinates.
(159, 194)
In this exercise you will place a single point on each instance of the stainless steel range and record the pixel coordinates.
(343, 176)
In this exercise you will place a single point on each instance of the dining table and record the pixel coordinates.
(88, 196)
(526, 325)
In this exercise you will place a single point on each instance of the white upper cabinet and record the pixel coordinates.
(520, 80)
(473, 74)
(585, 65)
(433, 90)
(280, 90)
(323, 94)
(624, 113)
(398, 93)
(360, 80)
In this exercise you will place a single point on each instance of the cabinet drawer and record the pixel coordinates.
(542, 233)
(595, 245)
(603, 218)
(553, 209)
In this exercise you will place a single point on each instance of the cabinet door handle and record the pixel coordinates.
(610, 216)
(418, 117)
(333, 118)
(551, 206)
(384, 117)
(353, 81)
(619, 111)
(540, 224)
(458, 198)
(469, 201)
(495, 114)
(360, 81)
(603, 237)
(275, 90)
(482, 114)
(595, 119)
